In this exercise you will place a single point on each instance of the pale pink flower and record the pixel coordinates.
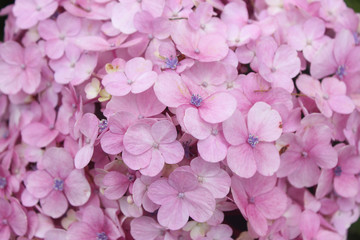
(58, 34)
(20, 68)
(137, 77)
(258, 200)
(140, 193)
(252, 141)
(13, 219)
(204, 47)
(184, 94)
(74, 67)
(123, 13)
(210, 176)
(149, 147)
(94, 224)
(277, 64)
(89, 127)
(308, 37)
(29, 12)
(306, 151)
(342, 178)
(339, 56)
(329, 95)
(57, 183)
(180, 196)
(142, 105)
(159, 27)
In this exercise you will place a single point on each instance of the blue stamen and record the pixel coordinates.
(252, 140)
(58, 184)
(196, 100)
(171, 62)
(340, 72)
(337, 171)
(101, 236)
(103, 125)
(3, 182)
(356, 38)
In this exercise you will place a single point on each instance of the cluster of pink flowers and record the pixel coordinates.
(164, 119)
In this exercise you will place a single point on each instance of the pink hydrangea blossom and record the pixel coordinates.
(180, 196)
(252, 141)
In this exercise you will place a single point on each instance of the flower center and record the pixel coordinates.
(253, 140)
(155, 145)
(58, 184)
(3, 182)
(340, 72)
(171, 62)
(304, 154)
(22, 66)
(4, 222)
(356, 38)
(130, 177)
(196, 100)
(325, 96)
(181, 195)
(337, 171)
(103, 125)
(101, 236)
(251, 200)
(214, 132)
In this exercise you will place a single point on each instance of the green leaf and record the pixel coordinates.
(354, 4)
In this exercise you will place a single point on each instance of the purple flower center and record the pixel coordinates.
(101, 236)
(58, 184)
(171, 62)
(196, 100)
(5, 134)
(356, 38)
(337, 171)
(103, 125)
(340, 72)
(3, 182)
(130, 177)
(251, 200)
(252, 140)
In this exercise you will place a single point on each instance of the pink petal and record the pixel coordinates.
(245, 165)
(218, 107)
(200, 204)
(89, 126)
(256, 220)
(54, 204)
(76, 188)
(163, 132)
(37, 134)
(341, 104)
(314, 28)
(183, 181)
(344, 42)
(174, 214)
(267, 158)
(323, 62)
(157, 163)
(112, 143)
(307, 175)
(18, 220)
(161, 192)
(308, 85)
(296, 38)
(272, 204)
(324, 155)
(144, 82)
(213, 148)
(171, 90)
(235, 129)
(309, 224)
(83, 156)
(116, 84)
(11, 52)
(172, 152)
(136, 162)
(195, 125)
(55, 234)
(80, 231)
(123, 16)
(264, 122)
(346, 185)
(39, 183)
(58, 162)
(138, 138)
(145, 228)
